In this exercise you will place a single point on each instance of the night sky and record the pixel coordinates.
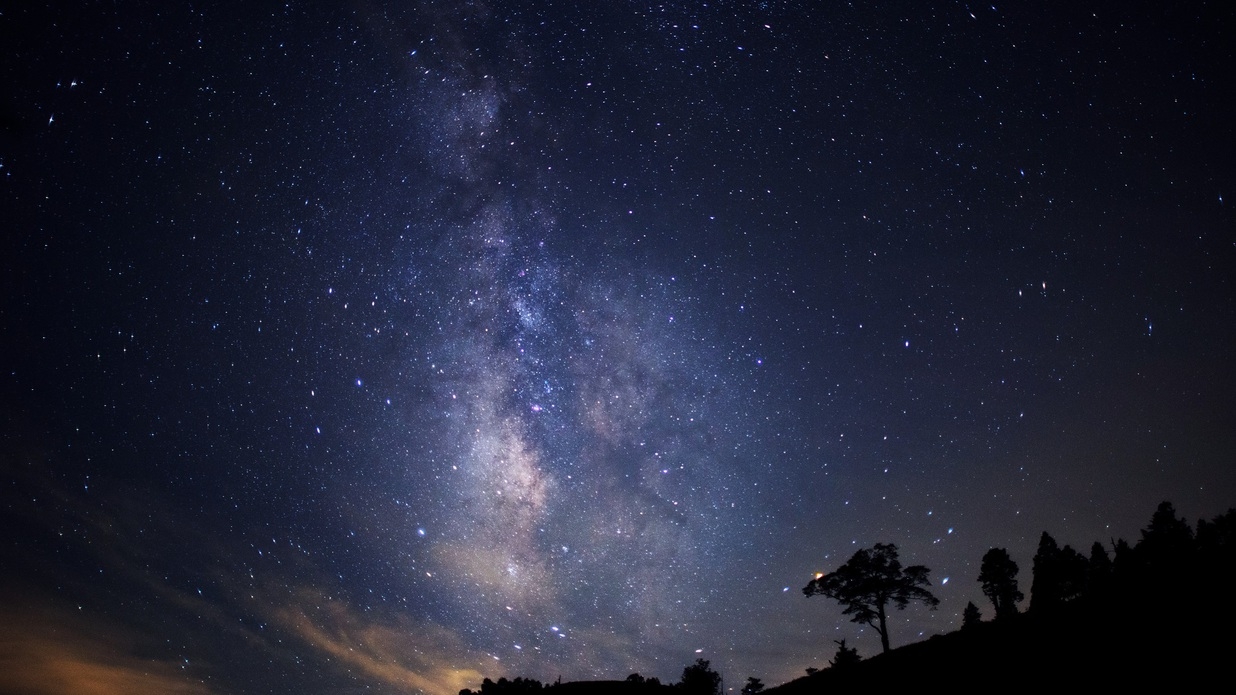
(384, 346)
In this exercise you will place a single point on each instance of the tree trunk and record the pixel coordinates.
(883, 628)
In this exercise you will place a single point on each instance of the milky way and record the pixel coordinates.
(584, 453)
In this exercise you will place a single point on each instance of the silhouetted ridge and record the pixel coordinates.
(1156, 610)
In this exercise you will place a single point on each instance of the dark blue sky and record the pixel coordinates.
(389, 345)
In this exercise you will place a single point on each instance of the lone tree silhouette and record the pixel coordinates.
(970, 617)
(700, 679)
(1167, 541)
(999, 579)
(847, 657)
(869, 581)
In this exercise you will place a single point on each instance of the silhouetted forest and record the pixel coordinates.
(697, 679)
(1114, 616)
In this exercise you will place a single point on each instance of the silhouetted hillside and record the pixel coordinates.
(1159, 610)
(1079, 647)
(1156, 612)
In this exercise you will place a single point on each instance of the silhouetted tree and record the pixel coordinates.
(1044, 587)
(999, 578)
(1167, 541)
(1122, 558)
(811, 670)
(1217, 535)
(754, 686)
(700, 679)
(1098, 570)
(1073, 572)
(869, 581)
(846, 658)
(644, 685)
(1166, 528)
(1059, 574)
(519, 686)
(1216, 550)
(970, 617)
(1216, 539)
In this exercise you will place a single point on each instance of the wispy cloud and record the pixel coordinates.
(400, 652)
(47, 645)
(46, 650)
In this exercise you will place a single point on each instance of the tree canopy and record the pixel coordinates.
(970, 617)
(1059, 574)
(999, 578)
(846, 658)
(700, 679)
(869, 581)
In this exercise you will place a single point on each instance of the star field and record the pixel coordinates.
(390, 346)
